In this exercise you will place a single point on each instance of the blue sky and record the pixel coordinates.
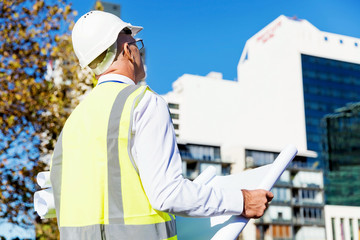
(197, 36)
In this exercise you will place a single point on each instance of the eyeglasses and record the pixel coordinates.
(139, 43)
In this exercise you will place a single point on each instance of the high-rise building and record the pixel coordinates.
(342, 156)
(110, 7)
(290, 75)
(294, 74)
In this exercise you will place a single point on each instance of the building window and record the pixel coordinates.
(174, 116)
(325, 38)
(341, 41)
(206, 153)
(281, 232)
(263, 232)
(200, 152)
(356, 44)
(225, 170)
(309, 215)
(176, 126)
(333, 228)
(328, 84)
(342, 228)
(258, 158)
(281, 195)
(192, 170)
(351, 229)
(173, 105)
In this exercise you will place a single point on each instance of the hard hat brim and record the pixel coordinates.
(135, 30)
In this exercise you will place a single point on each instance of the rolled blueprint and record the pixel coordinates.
(206, 228)
(279, 166)
(43, 179)
(232, 230)
(229, 227)
(44, 203)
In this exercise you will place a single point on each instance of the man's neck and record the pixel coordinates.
(125, 72)
(115, 78)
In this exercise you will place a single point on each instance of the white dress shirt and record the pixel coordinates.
(155, 152)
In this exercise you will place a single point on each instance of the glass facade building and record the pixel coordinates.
(341, 141)
(328, 84)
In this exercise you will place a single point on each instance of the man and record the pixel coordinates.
(116, 169)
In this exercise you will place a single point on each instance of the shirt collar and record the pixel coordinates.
(116, 77)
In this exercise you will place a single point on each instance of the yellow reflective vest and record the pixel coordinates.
(97, 189)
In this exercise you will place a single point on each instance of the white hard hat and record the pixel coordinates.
(95, 32)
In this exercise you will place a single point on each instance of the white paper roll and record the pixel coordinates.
(279, 166)
(43, 179)
(229, 227)
(233, 229)
(44, 203)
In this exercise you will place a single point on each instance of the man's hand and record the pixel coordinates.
(256, 202)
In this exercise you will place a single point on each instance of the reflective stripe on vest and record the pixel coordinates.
(97, 189)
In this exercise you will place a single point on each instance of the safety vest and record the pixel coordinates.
(97, 189)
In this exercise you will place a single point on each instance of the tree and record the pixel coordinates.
(40, 83)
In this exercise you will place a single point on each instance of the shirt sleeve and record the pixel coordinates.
(158, 160)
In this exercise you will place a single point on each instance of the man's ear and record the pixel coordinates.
(128, 53)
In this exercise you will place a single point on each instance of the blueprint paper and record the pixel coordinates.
(44, 203)
(248, 179)
(43, 179)
(229, 227)
(206, 228)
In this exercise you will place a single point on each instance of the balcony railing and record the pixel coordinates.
(292, 165)
(307, 185)
(280, 183)
(309, 221)
(272, 221)
(307, 202)
(281, 201)
(294, 220)
(303, 165)
(188, 155)
(185, 155)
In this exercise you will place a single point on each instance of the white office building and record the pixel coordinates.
(290, 75)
